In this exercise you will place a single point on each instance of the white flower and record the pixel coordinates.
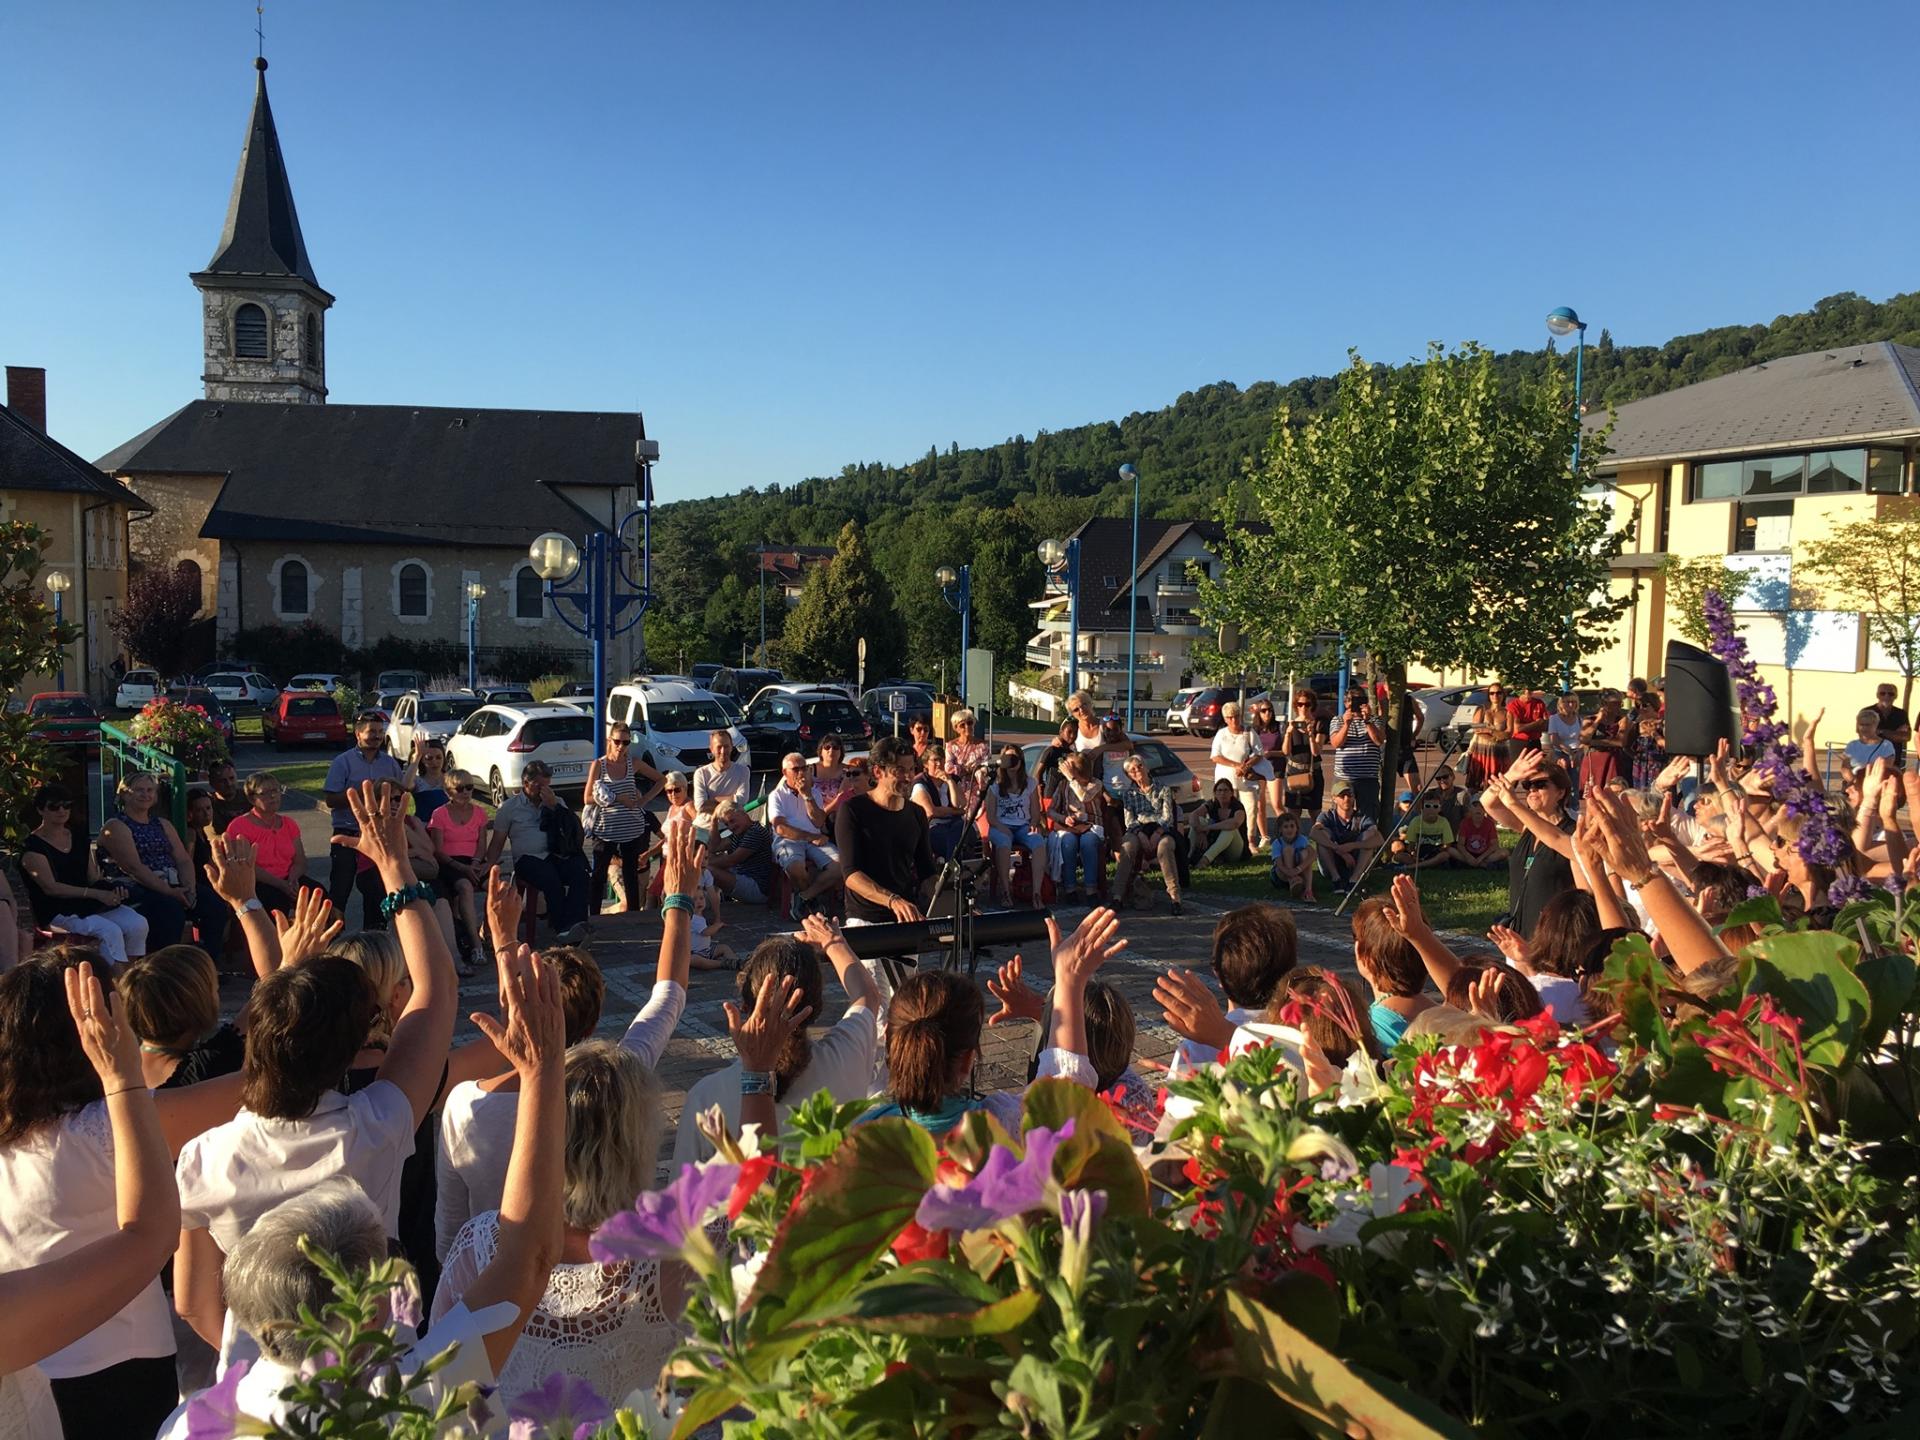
(656, 1420)
(1388, 1188)
(1360, 1082)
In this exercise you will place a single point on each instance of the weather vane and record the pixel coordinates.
(259, 28)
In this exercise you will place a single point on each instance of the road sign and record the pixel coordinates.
(897, 700)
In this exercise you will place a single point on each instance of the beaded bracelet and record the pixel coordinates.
(676, 901)
(400, 899)
(756, 1082)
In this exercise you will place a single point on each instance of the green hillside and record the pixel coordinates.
(993, 503)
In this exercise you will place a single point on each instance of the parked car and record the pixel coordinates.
(766, 692)
(246, 688)
(417, 717)
(317, 680)
(495, 742)
(505, 695)
(1180, 702)
(703, 674)
(304, 717)
(398, 682)
(671, 724)
(742, 685)
(574, 690)
(1163, 768)
(1448, 709)
(877, 707)
(780, 723)
(65, 717)
(206, 700)
(137, 688)
(735, 712)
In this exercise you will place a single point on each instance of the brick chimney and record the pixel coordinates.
(27, 394)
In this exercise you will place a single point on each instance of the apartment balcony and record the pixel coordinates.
(1178, 590)
(1146, 664)
(1040, 656)
(1180, 622)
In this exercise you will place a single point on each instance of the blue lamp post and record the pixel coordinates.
(58, 582)
(1127, 472)
(957, 590)
(474, 593)
(602, 589)
(1562, 321)
(1063, 560)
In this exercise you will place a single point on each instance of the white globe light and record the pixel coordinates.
(1052, 552)
(554, 556)
(946, 576)
(59, 582)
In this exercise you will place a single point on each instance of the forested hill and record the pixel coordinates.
(953, 503)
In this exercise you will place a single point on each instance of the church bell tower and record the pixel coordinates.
(262, 308)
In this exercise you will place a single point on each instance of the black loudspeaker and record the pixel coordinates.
(1700, 705)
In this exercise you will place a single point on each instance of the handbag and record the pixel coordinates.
(1299, 766)
(590, 820)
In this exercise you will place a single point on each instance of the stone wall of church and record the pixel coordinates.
(364, 592)
(171, 533)
(291, 373)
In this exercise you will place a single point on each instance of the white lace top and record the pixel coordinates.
(605, 1324)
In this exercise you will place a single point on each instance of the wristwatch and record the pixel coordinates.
(250, 904)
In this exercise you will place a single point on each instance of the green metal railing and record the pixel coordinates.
(121, 754)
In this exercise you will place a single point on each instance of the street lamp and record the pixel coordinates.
(1563, 321)
(474, 593)
(603, 587)
(1064, 561)
(58, 582)
(957, 591)
(1127, 472)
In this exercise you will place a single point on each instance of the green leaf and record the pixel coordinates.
(707, 1405)
(1099, 1156)
(1889, 979)
(914, 1307)
(1329, 1397)
(1810, 975)
(843, 1221)
(1760, 910)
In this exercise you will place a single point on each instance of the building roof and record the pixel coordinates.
(1106, 567)
(388, 474)
(1827, 397)
(262, 234)
(30, 459)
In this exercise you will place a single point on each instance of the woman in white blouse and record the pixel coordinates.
(839, 1062)
(1239, 758)
(76, 1156)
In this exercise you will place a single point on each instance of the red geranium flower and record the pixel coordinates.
(753, 1174)
(918, 1243)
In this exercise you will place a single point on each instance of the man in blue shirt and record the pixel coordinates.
(1344, 836)
(368, 760)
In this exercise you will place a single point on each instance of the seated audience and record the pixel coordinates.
(801, 845)
(1344, 837)
(172, 1003)
(934, 793)
(1220, 829)
(1390, 964)
(458, 833)
(1013, 814)
(1293, 858)
(1150, 817)
(1426, 840)
(545, 839)
(144, 852)
(280, 859)
(740, 855)
(725, 777)
(1078, 815)
(66, 888)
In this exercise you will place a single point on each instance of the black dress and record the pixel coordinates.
(1535, 874)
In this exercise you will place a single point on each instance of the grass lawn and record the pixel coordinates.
(309, 777)
(1464, 900)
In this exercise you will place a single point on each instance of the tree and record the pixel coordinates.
(1873, 566)
(672, 643)
(153, 622)
(30, 644)
(1689, 580)
(844, 600)
(1431, 515)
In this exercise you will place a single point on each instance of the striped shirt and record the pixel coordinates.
(1358, 757)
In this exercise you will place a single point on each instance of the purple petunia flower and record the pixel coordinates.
(403, 1303)
(214, 1414)
(565, 1402)
(1080, 1212)
(663, 1222)
(1846, 889)
(1005, 1187)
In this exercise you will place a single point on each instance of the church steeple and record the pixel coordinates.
(263, 308)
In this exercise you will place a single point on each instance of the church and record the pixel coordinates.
(366, 520)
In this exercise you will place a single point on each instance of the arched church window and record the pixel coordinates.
(250, 332)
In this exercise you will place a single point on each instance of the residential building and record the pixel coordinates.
(44, 483)
(787, 567)
(1166, 596)
(1753, 466)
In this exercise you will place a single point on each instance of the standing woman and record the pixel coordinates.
(725, 778)
(1300, 743)
(65, 887)
(1239, 758)
(148, 852)
(622, 827)
(1492, 729)
(1649, 744)
(1605, 740)
(966, 758)
(1266, 728)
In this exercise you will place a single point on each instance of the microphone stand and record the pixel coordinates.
(1461, 737)
(965, 879)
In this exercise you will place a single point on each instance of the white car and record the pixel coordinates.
(1178, 705)
(671, 724)
(137, 689)
(418, 717)
(495, 742)
(317, 680)
(1444, 710)
(246, 688)
(768, 692)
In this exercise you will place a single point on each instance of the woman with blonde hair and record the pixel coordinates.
(966, 759)
(144, 849)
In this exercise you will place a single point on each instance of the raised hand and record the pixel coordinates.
(1094, 942)
(233, 870)
(383, 833)
(1483, 994)
(108, 1040)
(1524, 767)
(533, 1036)
(503, 909)
(1018, 1000)
(681, 860)
(821, 931)
(1674, 772)
(312, 929)
(777, 1014)
(1190, 1008)
(1618, 829)
(1403, 909)
(1508, 942)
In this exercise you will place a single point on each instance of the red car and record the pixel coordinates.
(304, 717)
(65, 717)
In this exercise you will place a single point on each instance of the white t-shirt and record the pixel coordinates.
(258, 1393)
(1235, 750)
(1562, 998)
(57, 1181)
(234, 1173)
(476, 1125)
(789, 807)
(1190, 1055)
(841, 1064)
(1564, 733)
(713, 783)
(1015, 808)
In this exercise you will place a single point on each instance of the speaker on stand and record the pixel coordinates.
(1700, 702)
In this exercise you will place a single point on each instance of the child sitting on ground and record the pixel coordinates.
(1293, 858)
(1477, 846)
(1388, 962)
(1426, 839)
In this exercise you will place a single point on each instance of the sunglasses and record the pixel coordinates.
(463, 789)
(58, 805)
(1539, 785)
(617, 740)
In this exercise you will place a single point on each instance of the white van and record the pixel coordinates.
(670, 724)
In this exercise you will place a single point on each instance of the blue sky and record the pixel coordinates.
(798, 235)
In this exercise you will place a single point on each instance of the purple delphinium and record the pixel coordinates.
(1777, 759)
(565, 1403)
(663, 1223)
(1006, 1186)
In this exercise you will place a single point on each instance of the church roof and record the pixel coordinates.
(389, 474)
(30, 459)
(262, 233)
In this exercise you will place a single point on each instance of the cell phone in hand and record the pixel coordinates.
(702, 834)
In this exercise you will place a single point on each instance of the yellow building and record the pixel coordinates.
(45, 484)
(1752, 466)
